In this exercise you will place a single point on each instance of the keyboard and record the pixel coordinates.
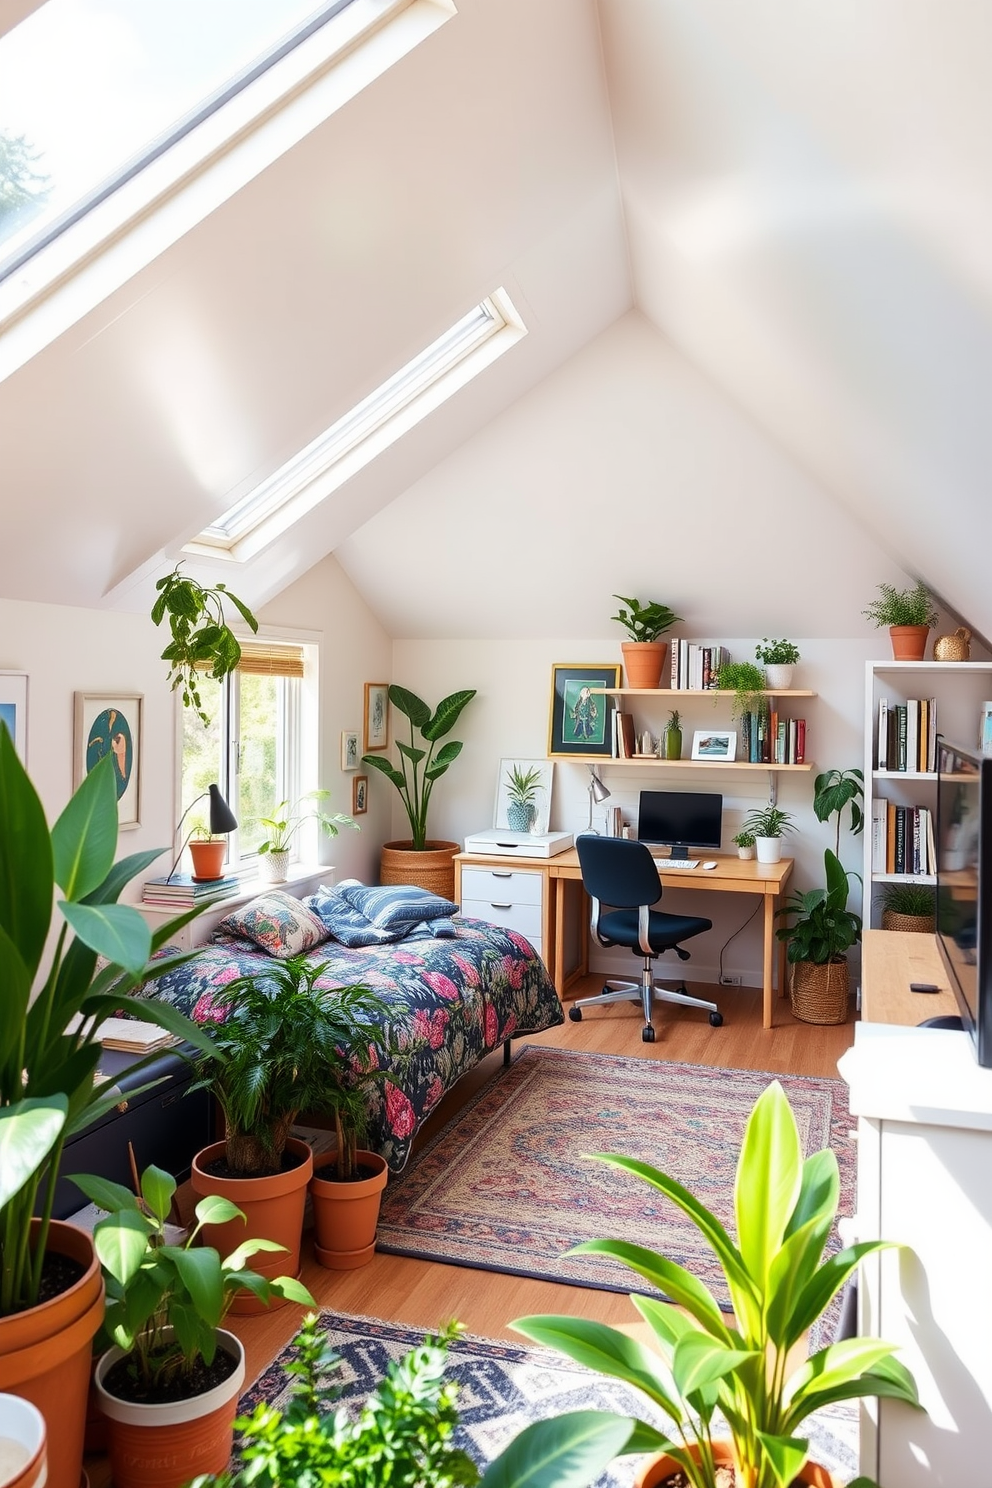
(677, 862)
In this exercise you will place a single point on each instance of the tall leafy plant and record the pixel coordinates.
(421, 765)
(49, 1008)
(822, 928)
(835, 789)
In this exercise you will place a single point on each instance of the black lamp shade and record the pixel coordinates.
(222, 818)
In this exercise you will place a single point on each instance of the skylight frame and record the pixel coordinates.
(372, 425)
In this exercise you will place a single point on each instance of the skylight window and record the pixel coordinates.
(91, 91)
(370, 427)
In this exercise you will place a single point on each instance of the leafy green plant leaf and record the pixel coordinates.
(567, 1451)
(84, 838)
(29, 1130)
(115, 931)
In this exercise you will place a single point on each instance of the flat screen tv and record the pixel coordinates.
(964, 885)
(680, 820)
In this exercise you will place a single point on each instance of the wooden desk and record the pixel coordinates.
(890, 960)
(731, 876)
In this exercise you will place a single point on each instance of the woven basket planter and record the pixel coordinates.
(915, 924)
(819, 994)
(433, 869)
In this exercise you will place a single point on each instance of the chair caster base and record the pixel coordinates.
(575, 1013)
(716, 1020)
(647, 1034)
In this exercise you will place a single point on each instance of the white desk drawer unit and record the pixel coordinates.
(508, 897)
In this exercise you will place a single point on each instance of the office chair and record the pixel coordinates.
(623, 873)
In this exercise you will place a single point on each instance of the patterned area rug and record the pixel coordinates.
(504, 1387)
(506, 1186)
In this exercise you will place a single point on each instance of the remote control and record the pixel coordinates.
(923, 987)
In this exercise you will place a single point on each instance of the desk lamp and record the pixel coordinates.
(597, 793)
(222, 819)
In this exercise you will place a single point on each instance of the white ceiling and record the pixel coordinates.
(797, 198)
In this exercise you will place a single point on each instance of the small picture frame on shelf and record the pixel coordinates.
(360, 795)
(349, 750)
(581, 724)
(714, 744)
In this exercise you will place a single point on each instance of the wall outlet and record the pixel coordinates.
(730, 981)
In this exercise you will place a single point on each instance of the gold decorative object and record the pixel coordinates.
(956, 647)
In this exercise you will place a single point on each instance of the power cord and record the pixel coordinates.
(735, 935)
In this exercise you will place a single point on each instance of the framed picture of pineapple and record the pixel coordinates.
(523, 795)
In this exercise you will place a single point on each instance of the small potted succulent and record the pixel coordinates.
(909, 614)
(169, 1382)
(673, 735)
(644, 654)
(821, 932)
(282, 826)
(779, 659)
(521, 789)
(768, 825)
(745, 845)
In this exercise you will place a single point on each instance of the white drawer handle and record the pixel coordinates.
(506, 874)
(500, 906)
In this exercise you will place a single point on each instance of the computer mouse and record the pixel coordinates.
(709, 865)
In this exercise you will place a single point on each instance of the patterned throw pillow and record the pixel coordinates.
(395, 905)
(277, 923)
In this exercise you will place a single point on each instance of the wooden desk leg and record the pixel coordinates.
(559, 956)
(783, 970)
(767, 960)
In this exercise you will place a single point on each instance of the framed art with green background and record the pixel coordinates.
(582, 719)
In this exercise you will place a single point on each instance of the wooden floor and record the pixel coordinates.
(425, 1294)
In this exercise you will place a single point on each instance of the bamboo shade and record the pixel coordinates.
(261, 660)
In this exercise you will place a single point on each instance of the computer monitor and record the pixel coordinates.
(680, 820)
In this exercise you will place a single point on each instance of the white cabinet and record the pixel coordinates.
(513, 898)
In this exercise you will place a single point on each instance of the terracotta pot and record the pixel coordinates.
(45, 1354)
(164, 1446)
(273, 1208)
(432, 869)
(208, 859)
(657, 1469)
(345, 1216)
(22, 1426)
(643, 662)
(909, 642)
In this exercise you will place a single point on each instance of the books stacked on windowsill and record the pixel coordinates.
(182, 891)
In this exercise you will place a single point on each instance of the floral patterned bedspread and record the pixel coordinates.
(452, 1002)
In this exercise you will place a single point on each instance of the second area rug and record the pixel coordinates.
(507, 1185)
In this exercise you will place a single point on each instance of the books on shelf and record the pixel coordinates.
(902, 839)
(624, 735)
(182, 891)
(695, 665)
(907, 735)
(769, 739)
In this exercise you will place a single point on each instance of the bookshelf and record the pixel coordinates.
(957, 690)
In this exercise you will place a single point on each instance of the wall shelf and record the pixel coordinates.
(697, 692)
(649, 761)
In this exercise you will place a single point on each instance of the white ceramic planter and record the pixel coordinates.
(273, 867)
(779, 678)
(23, 1458)
(769, 849)
(746, 853)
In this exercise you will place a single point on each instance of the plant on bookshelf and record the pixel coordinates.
(835, 789)
(644, 653)
(779, 657)
(673, 735)
(908, 906)
(746, 681)
(909, 614)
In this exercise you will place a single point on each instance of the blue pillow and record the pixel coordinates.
(395, 905)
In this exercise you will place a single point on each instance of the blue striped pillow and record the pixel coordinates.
(395, 905)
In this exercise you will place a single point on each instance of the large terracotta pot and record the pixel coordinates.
(208, 859)
(164, 1446)
(23, 1459)
(643, 662)
(909, 642)
(657, 1469)
(45, 1354)
(432, 869)
(273, 1208)
(345, 1216)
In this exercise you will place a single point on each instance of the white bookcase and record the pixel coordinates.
(960, 688)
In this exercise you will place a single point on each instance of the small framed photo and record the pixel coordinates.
(359, 795)
(714, 744)
(14, 710)
(581, 724)
(110, 723)
(376, 717)
(523, 795)
(349, 751)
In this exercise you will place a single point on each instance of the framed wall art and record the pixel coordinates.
(581, 725)
(14, 710)
(110, 723)
(349, 751)
(714, 744)
(359, 795)
(376, 734)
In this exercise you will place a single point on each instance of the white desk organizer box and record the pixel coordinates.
(497, 842)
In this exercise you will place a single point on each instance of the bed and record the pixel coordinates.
(452, 1001)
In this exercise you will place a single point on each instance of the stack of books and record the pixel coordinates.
(767, 739)
(695, 665)
(902, 839)
(182, 891)
(907, 735)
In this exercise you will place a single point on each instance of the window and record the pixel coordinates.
(253, 748)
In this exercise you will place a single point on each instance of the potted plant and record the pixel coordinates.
(169, 1384)
(673, 735)
(23, 1440)
(835, 789)
(909, 907)
(644, 654)
(54, 990)
(421, 861)
(746, 681)
(703, 1360)
(277, 1052)
(768, 825)
(910, 615)
(745, 845)
(778, 658)
(208, 853)
(821, 932)
(202, 641)
(283, 825)
(521, 788)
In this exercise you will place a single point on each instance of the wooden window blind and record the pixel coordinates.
(261, 660)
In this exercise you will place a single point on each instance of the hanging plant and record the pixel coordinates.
(202, 641)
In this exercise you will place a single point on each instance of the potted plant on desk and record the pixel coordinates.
(767, 825)
(821, 932)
